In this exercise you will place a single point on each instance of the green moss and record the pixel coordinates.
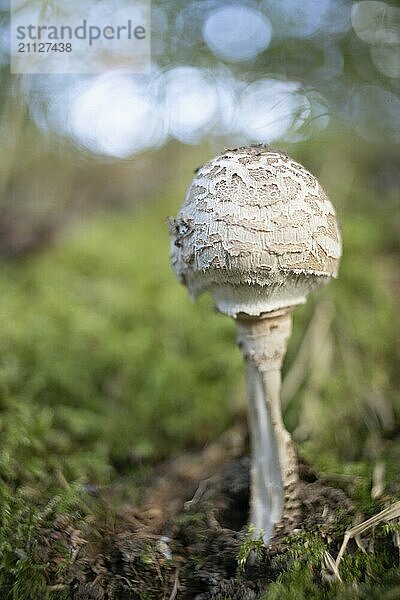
(25, 549)
(250, 546)
(364, 575)
(105, 348)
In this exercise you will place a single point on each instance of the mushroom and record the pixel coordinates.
(259, 233)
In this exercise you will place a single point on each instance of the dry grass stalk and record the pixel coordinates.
(388, 514)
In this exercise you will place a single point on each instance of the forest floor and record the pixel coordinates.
(188, 537)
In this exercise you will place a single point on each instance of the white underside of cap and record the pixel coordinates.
(255, 300)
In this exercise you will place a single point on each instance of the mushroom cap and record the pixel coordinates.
(257, 230)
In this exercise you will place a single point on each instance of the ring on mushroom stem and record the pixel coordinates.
(258, 232)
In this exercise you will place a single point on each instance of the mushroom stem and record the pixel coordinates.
(274, 474)
(266, 482)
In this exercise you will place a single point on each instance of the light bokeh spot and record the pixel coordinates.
(237, 33)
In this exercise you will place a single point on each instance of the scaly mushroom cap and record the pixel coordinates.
(256, 230)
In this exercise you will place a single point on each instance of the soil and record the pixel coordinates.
(183, 541)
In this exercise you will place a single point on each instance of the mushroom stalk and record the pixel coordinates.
(274, 475)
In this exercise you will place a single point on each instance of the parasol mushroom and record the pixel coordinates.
(259, 233)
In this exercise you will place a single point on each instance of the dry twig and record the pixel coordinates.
(388, 514)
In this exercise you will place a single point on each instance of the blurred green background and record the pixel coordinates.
(106, 366)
